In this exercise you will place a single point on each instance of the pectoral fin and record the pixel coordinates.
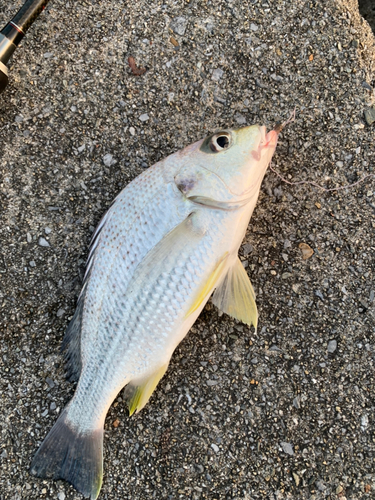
(235, 295)
(138, 393)
(208, 286)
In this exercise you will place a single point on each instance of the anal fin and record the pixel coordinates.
(137, 393)
(235, 295)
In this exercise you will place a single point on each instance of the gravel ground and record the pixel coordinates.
(284, 414)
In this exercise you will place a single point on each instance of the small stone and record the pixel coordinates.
(370, 116)
(132, 131)
(48, 55)
(61, 495)
(284, 276)
(240, 119)
(73, 108)
(28, 486)
(116, 423)
(287, 448)
(217, 74)
(18, 119)
(296, 478)
(254, 27)
(52, 406)
(297, 402)
(60, 313)
(81, 148)
(339, 489)
(50, 382)
(144, 117)
(178, 25)
(43, 243)
(47, 230)
(364, 422)
(306, 250)
(215, 447)
(210, 383)
(174, 41)
(365, 85)
(332, 346)
(32, 263)
(108, 160)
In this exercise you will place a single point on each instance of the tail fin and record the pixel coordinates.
(76, 457)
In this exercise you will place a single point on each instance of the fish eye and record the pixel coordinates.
(220, 141)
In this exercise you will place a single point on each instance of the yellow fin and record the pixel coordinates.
(208, 286)
(139, 393)
(235, 295)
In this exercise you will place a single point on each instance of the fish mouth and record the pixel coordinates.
(221, 205)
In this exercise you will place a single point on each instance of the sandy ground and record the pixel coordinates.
(284, 414)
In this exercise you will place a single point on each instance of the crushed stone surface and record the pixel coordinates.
(287, 413)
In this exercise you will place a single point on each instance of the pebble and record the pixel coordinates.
(254, 27)
(47, 230)
(370, 116)
(18, 119)
(297, 402)
(215, 447)
(144, 117)
(306, 250)
(240, 119)
(332, 346)
(32, 263)
(364, 422)
(52, 406)
(365, 85)
(132, 131)
(296, 478)
(108, 160)
(48, 55)
(287, 448)
(217, 74)
(211, 382)
(50, 382)
(43, 243)
(81, 148)
(61, 495)
(178, 25)
(60, 313)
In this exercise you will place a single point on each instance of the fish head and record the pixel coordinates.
(227, 167)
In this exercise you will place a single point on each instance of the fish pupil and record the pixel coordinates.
(223, 141)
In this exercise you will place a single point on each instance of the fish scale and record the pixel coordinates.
(169, 239)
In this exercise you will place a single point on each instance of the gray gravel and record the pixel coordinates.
(284, 414)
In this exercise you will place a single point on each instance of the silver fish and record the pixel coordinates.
(170, 238)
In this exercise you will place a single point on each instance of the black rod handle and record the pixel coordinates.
(28, 13)
(14, 31)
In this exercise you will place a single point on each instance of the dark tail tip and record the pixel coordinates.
(76, 457)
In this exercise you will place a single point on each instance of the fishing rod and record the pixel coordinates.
(12, 34)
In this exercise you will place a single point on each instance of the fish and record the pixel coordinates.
(168, 241)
